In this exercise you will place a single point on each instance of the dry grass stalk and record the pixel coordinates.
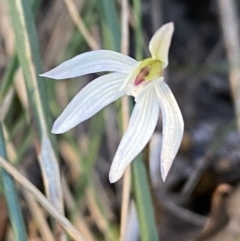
(77, 19)
(78, 219)
(230, 27)
(38, 218)
(125, 120)
(70, 229)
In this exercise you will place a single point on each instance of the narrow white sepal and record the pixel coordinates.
(92, 62)
(172, 126)
(141, 126)
(160, 43)
(92, 98)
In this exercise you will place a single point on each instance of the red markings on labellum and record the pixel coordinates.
(141, 76)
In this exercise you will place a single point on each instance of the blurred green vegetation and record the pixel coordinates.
(82, 151)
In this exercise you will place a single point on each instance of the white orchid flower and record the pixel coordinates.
(144, 81)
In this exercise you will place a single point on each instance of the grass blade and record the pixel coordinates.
(8, 77)
(110, 24)
(138, 29)
(29, 58)
(10, 193)
(148, 230)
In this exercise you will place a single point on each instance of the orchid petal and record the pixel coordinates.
(141, 126)
(92, 98)
(160, 43)
(172, 126)
(92, 62)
